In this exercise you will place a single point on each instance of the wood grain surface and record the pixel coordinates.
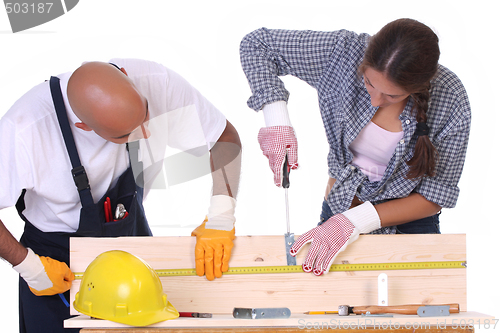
(300, 292)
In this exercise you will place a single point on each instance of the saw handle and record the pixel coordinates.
(410, 309)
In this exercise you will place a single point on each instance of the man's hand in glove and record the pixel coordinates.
(214, 238)
(333, 236)
(44, 275)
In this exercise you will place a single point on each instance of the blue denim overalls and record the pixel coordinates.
(47, 313)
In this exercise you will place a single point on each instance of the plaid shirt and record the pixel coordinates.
(328, 61)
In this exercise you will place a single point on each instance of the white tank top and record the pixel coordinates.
(373, 149)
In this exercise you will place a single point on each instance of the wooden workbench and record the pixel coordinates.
(464, 321)
(300, 292)
(284, 330)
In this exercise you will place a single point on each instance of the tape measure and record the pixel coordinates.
(333, 268)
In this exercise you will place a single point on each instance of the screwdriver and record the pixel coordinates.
(286, 185)
(289, 237)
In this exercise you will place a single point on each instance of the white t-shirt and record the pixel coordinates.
(33, 155)
(373, 149)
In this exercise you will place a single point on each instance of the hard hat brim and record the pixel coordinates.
(143, 319)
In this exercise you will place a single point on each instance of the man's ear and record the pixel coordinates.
(83, 126)
(123, 71)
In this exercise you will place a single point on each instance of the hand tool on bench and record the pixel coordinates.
(289, 237)
(409, 309)
(195, 315)
(320, 312)
(261, 313)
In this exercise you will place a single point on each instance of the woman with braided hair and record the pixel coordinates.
(396, 121)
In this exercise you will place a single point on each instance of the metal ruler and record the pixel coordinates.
(333, 268)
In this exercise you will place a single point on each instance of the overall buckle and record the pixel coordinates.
(80, 178)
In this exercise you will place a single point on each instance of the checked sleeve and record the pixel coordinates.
(267, 54)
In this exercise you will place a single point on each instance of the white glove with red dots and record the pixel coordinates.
(332, 237)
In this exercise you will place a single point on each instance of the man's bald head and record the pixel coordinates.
(106, 101)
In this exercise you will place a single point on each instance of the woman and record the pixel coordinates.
(396, 121)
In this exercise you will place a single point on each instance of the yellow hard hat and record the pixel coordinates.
(121, 287)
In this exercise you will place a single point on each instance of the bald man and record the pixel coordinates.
(81, 141)
(107, 102)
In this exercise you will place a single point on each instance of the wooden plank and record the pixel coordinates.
(463, 320)
(300, 292)
(281, 330)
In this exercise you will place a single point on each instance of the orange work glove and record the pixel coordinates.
(44, 275)
(214, 238)
(212, 251)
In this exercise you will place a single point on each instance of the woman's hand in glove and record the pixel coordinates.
(332, 237)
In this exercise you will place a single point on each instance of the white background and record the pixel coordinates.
(200, 40)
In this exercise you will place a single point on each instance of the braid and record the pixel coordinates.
(423, 162)
(421, 100)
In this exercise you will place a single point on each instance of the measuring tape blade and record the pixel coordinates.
(333, 268)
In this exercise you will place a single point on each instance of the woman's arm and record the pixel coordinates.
(266, 54)
(398, 211)
(404, 210)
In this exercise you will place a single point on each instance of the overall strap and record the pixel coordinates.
(135, 164)
(78, 171)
